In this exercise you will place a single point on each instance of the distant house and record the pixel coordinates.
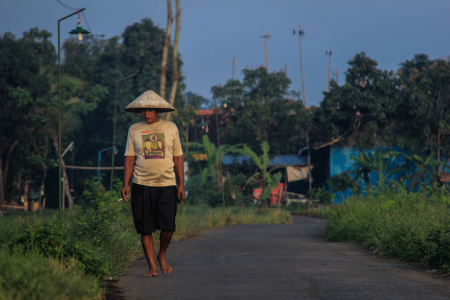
(294, 168)
(334, 157)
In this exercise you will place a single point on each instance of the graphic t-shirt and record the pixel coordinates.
(154, 146)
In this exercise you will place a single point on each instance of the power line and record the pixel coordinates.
(67, 6)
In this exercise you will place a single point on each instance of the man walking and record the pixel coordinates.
(154, 157)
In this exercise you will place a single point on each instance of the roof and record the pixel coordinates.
(279, 160)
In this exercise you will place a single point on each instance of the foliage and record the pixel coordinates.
(424, 112)
(380, 162)
(343, 181)
(206, 186)
(23, 79)
(398, 224)
(363, 108)
(265, 177)
(321, 194)
(262, 109)
(420, 167)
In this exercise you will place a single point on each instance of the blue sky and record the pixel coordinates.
(213, 31)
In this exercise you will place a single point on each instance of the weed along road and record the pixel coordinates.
(277, 262)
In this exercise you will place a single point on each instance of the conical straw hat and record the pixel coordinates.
(149, 99)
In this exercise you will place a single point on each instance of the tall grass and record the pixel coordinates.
(397, 224)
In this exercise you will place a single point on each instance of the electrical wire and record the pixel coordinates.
(67, 6)
(87, 23)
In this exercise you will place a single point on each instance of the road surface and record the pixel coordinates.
(289, 261)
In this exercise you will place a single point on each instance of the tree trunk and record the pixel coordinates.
(162, 89)
(66, 178)
(8, 159)
(175, 58)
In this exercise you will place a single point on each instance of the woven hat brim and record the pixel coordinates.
(149, 100)
(138, 110)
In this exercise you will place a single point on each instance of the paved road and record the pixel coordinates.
(277, 262)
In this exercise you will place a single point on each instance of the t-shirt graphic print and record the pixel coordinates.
(154, 145)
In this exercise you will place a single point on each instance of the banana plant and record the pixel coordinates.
(212, 172)
(381, 162)
(421, 167)
(270, 180)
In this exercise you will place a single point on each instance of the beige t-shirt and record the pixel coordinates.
(154, 146)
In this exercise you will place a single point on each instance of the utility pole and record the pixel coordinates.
(329, 53)
(234, 63)
(266, 36)
(335, 73)
(300, 33)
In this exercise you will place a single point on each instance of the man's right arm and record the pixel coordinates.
(128, 172)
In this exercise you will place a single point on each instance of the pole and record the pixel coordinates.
(300, 33)
(60, 179)
(329, 65)
(232, 71)
(99, 159)
(267, 36)
(218, 150)
(114, 132)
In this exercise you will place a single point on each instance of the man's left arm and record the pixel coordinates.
(179, 172)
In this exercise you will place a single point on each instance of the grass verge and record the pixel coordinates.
(397, 224)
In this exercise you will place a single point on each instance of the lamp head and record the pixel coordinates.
(79, 31)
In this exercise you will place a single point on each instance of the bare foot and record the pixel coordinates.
(152, 273)
(165, 267)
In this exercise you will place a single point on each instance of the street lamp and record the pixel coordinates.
(114, 131)
(80, 31)
(225, 102)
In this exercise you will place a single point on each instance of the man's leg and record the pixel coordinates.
(147, 245)
(165, 238)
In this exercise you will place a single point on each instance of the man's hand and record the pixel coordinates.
(126, 192)
(181, 194)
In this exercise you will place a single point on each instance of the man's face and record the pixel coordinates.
(150, 116)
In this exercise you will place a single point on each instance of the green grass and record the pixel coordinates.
(397, 224)
(192, 219)
(44, 258)
(31, 275)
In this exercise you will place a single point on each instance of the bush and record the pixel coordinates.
(321, 194)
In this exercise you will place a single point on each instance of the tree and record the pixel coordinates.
(424, 114)
(362, 108)
(165, 54)
(262, 109)
(21, 83)
(175, 58)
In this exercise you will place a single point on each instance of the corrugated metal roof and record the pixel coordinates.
(279, 160)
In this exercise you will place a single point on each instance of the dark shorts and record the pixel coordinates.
(154, 208)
